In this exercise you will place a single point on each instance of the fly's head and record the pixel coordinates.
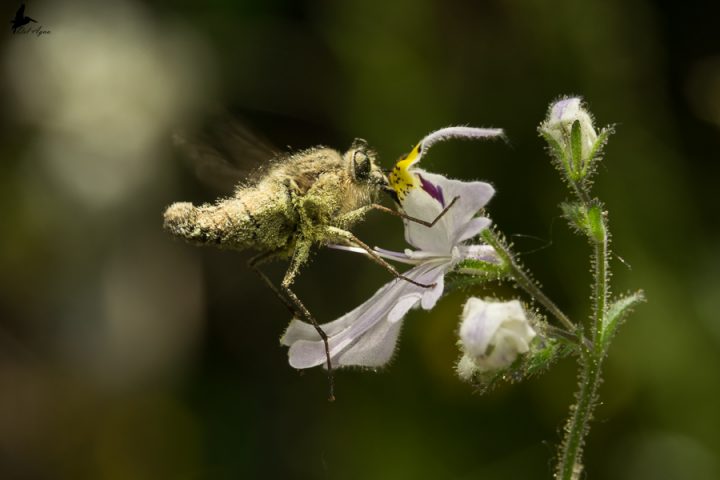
(363, 168)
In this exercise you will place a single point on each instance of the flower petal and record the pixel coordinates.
(432, 295)
(457, 132)
(485, 253)
(403, 180)
(402, 257)
(473, 227)
(409, 256)
(473, 196)
(367, 328)
(376, 348)
(403, 306)
(493, 334)
(299, 330)
(478, 326)
(442, 237)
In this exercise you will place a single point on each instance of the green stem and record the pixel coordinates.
(565, 336)
(581, 193)
(570, 461)
(578, 425)
(525, 282)
(601, 285)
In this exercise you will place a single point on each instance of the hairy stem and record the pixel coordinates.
(524, 281)
(578, 425)
(570, 461)
(600, 294)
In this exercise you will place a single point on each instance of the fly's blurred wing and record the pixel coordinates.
(225, 153)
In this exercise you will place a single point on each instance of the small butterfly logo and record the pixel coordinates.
(20, 19)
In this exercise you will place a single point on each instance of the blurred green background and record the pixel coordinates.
(127, 355)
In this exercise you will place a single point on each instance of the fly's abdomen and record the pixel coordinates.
(254, 218)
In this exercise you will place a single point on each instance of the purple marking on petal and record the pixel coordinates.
(434, 191)
(559, 108)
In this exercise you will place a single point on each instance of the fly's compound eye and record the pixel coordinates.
(361, 165)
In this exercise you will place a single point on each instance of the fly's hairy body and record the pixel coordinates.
(298, 198)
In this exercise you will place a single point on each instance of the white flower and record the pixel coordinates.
(561, 117)
(492, 335)
(366, 336)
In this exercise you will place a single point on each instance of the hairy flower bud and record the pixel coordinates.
(570, 130)
(492, 335)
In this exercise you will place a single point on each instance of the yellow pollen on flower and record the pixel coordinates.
(400, 178)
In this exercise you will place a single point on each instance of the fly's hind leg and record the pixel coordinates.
(299, 258)
(288, 297)
(349, 237)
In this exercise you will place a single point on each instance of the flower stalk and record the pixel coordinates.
(587, 217)
(524, 281)
(578, 425)
(570, 460)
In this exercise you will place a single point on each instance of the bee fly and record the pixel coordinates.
(309, 198)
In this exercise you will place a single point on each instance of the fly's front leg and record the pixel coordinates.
(299, 258)
(349, 237)
(355, 215)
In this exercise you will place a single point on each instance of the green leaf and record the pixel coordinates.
(553, 144)
(542, 358)
(616, 313)
(556, 149)
(600, 142)
(576, 215)
(596, 223)
(587, 220)
(577, 155)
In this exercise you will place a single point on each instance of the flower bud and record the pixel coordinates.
(570, 127)
(492, 335)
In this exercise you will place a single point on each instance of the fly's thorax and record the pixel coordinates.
(305, 168)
